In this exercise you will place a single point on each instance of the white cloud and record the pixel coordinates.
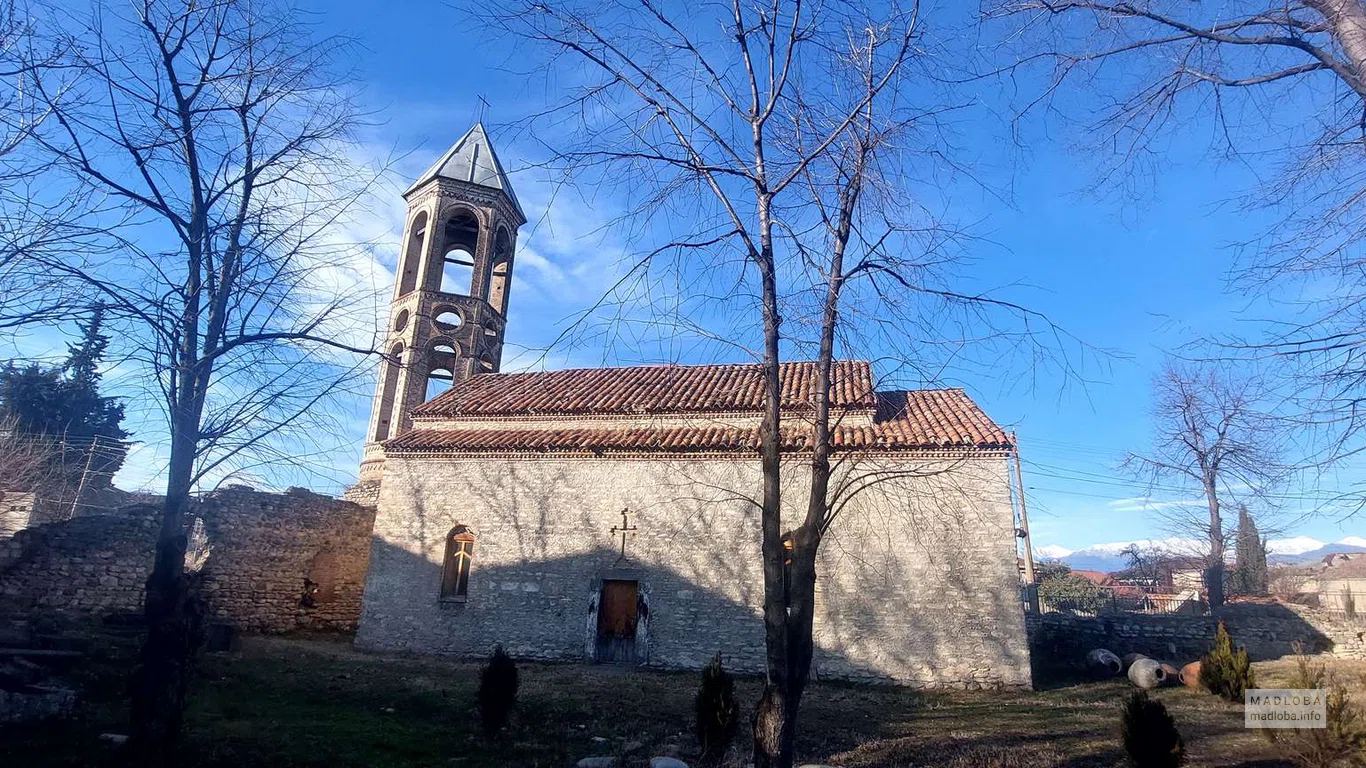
(1295, 545)
(1147, 504)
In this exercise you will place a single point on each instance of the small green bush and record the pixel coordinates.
(717, 718)
(1341, 743)
(1149, 733)
(497, 693)
(1224, 671)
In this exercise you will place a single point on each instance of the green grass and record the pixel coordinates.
(282, 702)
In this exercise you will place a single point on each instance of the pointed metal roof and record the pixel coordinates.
(471, 160)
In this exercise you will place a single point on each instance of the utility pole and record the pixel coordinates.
(1023, 532)
(80, 487)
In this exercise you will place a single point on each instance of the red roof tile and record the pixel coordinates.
(945, 419)
(645, 389)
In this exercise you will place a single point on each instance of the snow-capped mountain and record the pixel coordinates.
(1110, 556)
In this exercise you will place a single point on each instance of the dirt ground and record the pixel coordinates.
(293, 702)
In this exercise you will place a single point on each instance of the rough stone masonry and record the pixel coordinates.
(917, 583)
(275, 562)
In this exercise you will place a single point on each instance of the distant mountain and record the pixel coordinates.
(1109, 557)
(1313, 555)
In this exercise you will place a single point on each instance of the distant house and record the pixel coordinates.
(16, 509)
(1338, 582)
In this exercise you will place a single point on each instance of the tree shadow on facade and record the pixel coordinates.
(554, 610)
(910, 594)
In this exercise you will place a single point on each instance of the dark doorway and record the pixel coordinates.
(617, 617)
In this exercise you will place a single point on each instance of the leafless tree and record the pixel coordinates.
(769, 145)
(33, 217)
(25, 462)
(1211, 436)
(1280, 88)
(219, 133)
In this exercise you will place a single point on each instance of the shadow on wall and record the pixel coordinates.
(1268, 631)
(919, 593)
(569, 609)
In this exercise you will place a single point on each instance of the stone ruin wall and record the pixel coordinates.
(1267, 630)
(261, 549)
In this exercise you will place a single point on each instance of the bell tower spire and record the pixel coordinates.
(449, 308)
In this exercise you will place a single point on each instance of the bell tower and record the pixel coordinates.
(449, 308)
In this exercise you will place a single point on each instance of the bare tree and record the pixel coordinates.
(1211, 437)
(770, 144)
(1280, 88)
(219, 132)
(25, 461)
(34, 218)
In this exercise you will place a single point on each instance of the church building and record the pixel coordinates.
(605, 515)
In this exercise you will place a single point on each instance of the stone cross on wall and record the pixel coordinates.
(624, 529)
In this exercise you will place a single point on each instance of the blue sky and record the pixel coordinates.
(1135, 277)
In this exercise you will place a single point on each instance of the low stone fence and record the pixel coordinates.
(271, 562)
(1268, 631)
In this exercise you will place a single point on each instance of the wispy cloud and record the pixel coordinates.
(1147, 504)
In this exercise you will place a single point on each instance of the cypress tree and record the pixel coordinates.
(1249, 570)
(63, 404)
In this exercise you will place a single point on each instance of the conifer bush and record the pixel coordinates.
(1149, 733)
(497, 693)
(1224, 671)
(717, 713)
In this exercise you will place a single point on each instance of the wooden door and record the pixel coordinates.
(617, 621)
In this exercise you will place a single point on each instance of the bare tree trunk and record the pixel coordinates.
(1347, 19)
(775, 715)
(174, 621)
(1214, 573)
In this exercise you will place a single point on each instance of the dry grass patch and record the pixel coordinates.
(281, 702)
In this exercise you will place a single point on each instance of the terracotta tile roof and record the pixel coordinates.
(945, 419)
(645, 389)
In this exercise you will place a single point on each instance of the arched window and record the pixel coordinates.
(457, 272)
(455, 568)
(460, 239)
(392, 367)
(412, 257)
(438, 381)
(502, 270)
(442, 357)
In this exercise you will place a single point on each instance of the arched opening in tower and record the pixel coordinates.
(459, 241)
(388, 389)
(441, 360)
(502, 270)
(412, 256)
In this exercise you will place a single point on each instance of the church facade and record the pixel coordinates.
(606, 515)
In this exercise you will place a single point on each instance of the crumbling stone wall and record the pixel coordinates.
(93, 565)
(1268, 631)
(262, 547)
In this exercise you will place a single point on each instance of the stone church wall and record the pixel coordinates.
(261, 547)
(917, 581)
